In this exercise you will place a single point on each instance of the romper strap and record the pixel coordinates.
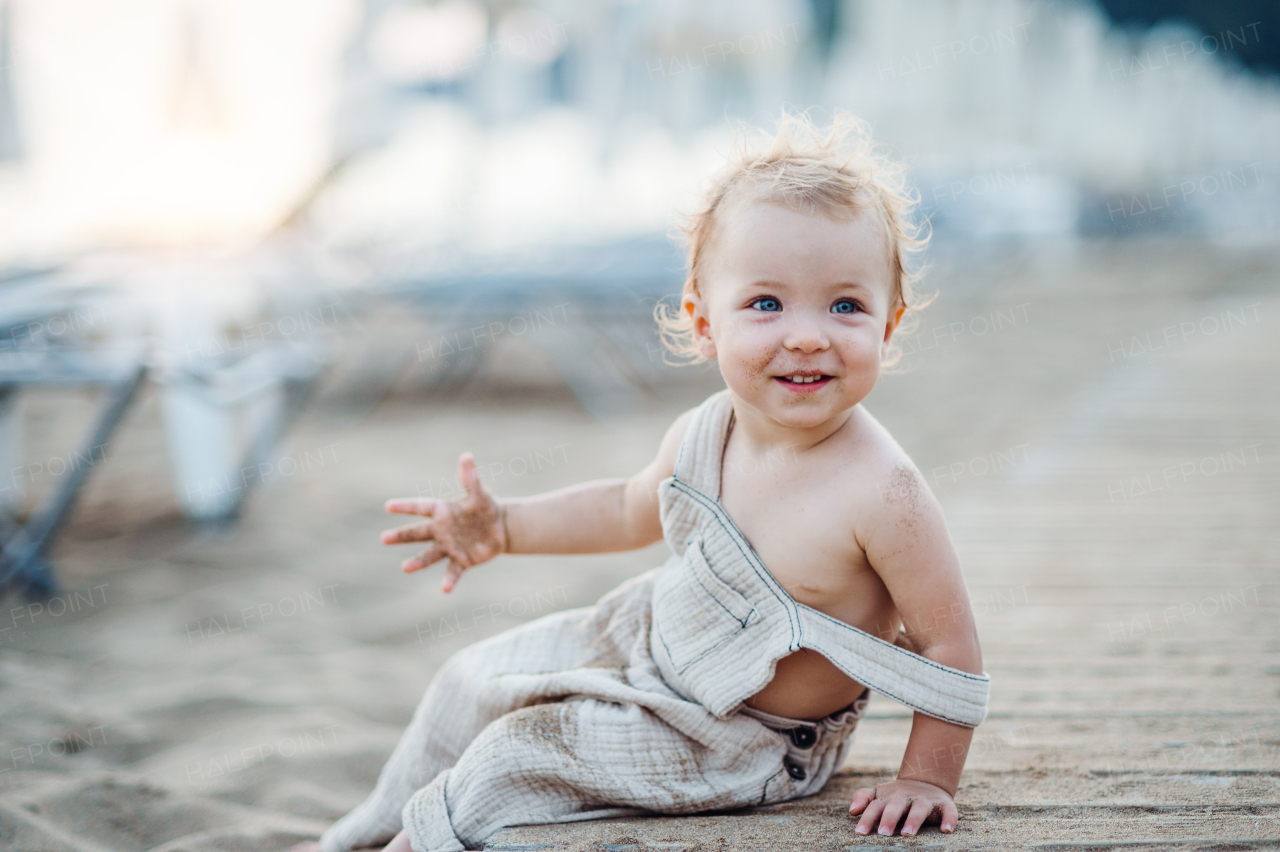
(936, 690)
(700, 452)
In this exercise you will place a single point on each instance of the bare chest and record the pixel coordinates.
(799, 518)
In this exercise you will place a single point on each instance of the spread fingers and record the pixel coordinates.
(426, 558)
(413, 532)
(411, 506)
(451, 575)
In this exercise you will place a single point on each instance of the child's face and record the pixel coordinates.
(789, 295)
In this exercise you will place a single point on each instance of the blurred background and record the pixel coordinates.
(243, 194)
(266, 264)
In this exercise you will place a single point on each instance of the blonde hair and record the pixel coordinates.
(834, 171)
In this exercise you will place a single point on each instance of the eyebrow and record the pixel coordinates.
(778, 285)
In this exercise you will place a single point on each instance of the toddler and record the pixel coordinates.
(733, 675)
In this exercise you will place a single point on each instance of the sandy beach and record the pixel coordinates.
(1098, 420)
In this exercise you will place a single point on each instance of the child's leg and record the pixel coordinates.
(460, 701)
(587, 759)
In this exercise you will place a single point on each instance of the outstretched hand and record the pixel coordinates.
(886, 804)
(466, 531)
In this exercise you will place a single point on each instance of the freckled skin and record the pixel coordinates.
(906, 490)
(904, 486)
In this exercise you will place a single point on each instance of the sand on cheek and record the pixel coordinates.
(744, 362)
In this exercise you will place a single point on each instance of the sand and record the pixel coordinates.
(1114, 504)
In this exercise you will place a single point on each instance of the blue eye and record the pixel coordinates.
(767, 303)
(845, 306)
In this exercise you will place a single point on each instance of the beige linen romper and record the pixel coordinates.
(636, 705)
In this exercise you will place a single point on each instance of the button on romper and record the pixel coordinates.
(636, 705)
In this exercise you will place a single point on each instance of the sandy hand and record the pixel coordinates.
(466, 531)
(886, 804)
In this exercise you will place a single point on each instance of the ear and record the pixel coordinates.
(697, 311)
(891, 325)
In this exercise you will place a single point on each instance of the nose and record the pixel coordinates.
(805, 334)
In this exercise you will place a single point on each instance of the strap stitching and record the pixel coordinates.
(790, 604)
(734, 535)
(908, 655)
(742, 622)
(983, 678)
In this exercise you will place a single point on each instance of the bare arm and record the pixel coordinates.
(595, 517)
(907, 543)
(604, 516)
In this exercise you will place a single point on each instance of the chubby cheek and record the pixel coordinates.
(861, 357)
(745, 352)
(863, 380)
(866, 348)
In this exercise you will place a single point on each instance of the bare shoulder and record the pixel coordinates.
(903, 532)
(640, 497)
(664, 464)
(891, 494)
(669, 450)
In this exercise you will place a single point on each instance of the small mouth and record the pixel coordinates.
(802, 382)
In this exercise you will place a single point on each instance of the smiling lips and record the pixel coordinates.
(803, 380)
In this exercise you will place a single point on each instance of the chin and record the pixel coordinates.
(787, 409)
(806, 413)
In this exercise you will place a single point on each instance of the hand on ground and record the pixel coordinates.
(466, 531)
(887, 804)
